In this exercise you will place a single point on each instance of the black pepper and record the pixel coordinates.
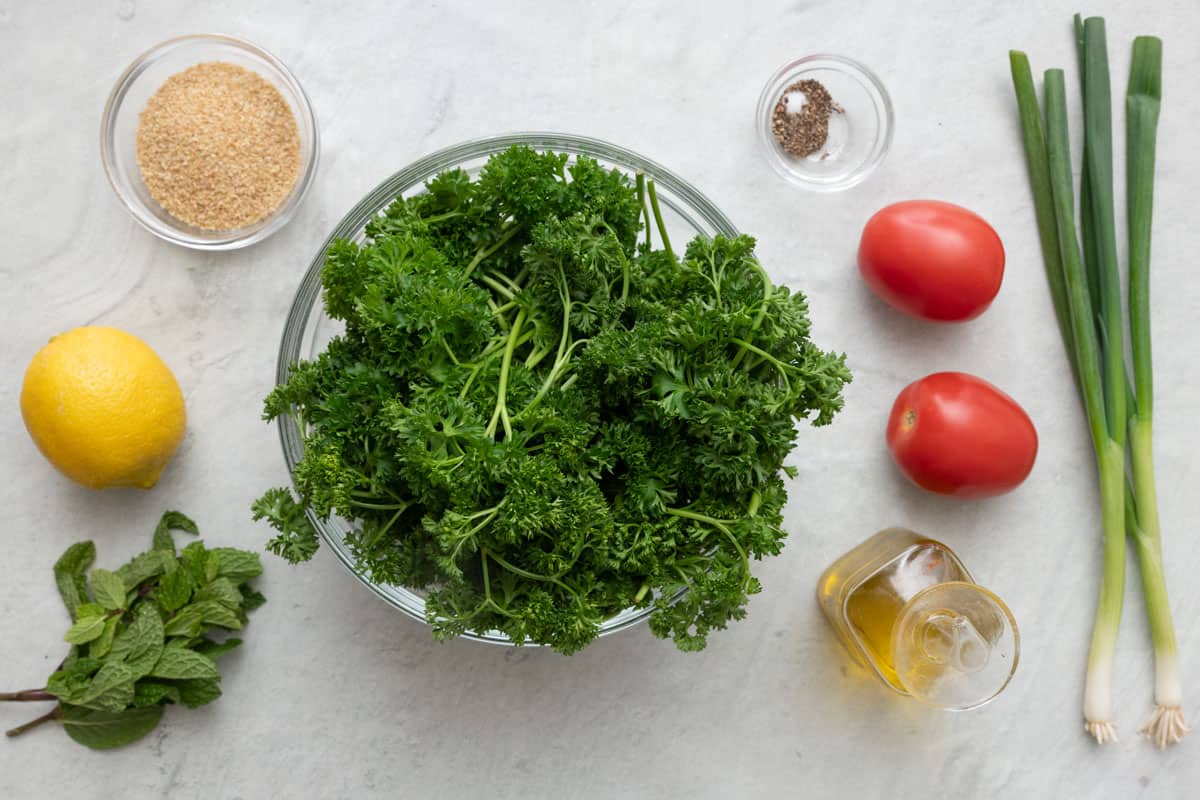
(803, 131)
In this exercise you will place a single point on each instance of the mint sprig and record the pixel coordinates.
(143, 636)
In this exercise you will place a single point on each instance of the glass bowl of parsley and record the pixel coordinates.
(516, 414)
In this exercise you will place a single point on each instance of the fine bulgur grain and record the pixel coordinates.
(218, 146)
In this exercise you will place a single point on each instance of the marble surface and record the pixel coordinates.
(336, 695)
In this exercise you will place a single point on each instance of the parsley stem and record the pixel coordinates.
(560, 367)
(488, 515)
(441, 217)
(27, 696)
(625, 276)
(768, 289)
(379, 506)
(487, 589)
(566, 322)
(509, 282)
(33, 723)
(449, 351)
(533, 576)
(482, 254)
(779, 365)
(383, 531)
(720, 526)
(500, 415)
(498, 312)
(363, 493)
(498, 287)
(658, 220)
(641, 200)
(536, 356)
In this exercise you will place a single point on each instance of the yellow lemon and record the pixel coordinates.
(103, 408)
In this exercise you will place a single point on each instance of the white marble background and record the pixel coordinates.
(335, 695)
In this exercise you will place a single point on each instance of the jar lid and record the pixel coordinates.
(955, 645)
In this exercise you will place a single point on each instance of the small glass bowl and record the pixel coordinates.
(860, 129)
(118, 135)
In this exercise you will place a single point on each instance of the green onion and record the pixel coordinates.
(1142, 101)
(1110, 451)
(1098, 178)
(1086, 293)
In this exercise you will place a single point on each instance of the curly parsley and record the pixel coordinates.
(541, 421)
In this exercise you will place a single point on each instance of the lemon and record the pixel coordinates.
(103, 408)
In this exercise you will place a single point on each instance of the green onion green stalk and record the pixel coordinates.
(1086, 292)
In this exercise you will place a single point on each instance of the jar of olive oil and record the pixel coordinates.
(906, 608)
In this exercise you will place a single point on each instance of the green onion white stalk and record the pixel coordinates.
(1087, 299)
(1142, 102)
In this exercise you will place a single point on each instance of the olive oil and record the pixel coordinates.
(906, 608)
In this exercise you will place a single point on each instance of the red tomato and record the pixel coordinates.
(933, 260)
(958, 435)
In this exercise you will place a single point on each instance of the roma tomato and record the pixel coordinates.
(934, 260)
(958, 435)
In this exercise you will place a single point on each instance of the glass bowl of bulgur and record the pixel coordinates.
(209, 141)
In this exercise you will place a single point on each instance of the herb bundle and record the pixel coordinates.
(142, 635)
(1086, 291)
(542, 420)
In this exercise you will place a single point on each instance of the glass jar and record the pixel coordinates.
(907, 609)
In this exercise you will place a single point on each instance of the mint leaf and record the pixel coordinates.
(91, 610)
(175, 590)
(85, 630)
(238, 565)
(193, 557)
(215, 650)
(111, 688)
(172, 521)
(251, 599)
(74, 680)
(69, 573)
(188, 621)
(212, 567)
(108, 589)
(103, 643)
(149, 693)
(178, 662)
(104, 730)
(223, 591)
(141, 644)
(142, 568)
(198, 692)
(214, 613)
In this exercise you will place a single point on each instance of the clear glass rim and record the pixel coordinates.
(238, 238)
(879, 96)
(998, 604)
(692, 203)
